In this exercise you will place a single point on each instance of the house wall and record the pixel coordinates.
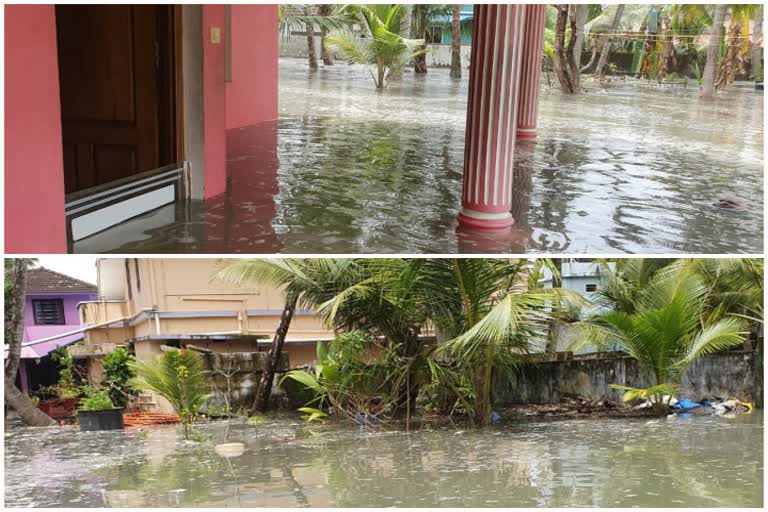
(252, 92)
(34, 165)
(726, 374)
(214, 101)
(71, 316)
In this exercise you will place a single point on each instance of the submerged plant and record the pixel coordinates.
(178, 376)
(382, 46)
(666, 331)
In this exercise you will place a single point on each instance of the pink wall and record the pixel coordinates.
(34, 169)
(252, 92)
(214, 103)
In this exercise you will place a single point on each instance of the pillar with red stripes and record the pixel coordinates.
(492, 116)
(530, 71)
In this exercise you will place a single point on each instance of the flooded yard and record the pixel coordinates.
(626, 167)
(670, 462)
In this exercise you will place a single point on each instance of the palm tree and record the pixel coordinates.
(15, 288)
(484, 317)
(297, 17)
(600, 70)
(665, 332)
(325, 10)
(305, 282)
(456, 42)
(179, 377)
(736, 43)
(713, 49)
(382, 46)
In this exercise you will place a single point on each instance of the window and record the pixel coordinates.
(48, 311)
(591, 287)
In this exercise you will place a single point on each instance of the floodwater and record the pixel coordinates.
(627, 167)
(670, 462)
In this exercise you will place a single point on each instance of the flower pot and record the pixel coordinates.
(108, 419)
(59, 408)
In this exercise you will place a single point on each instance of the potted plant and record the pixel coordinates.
(97, 412)
(66, 391)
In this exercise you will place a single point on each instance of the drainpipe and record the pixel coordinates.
(157, 322)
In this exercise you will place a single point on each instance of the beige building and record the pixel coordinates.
(150, 302)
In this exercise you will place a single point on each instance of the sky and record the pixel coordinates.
(79, 266)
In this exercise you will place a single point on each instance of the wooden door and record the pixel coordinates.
(108, 70)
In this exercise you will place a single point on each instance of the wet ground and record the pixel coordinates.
(670, 462)
(627, 167)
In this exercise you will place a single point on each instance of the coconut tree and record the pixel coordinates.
(325, 10)
(600, 69)
(179, 377)
(713, 49)
(736, 43)
(305, 283)
(382, 47)
(665, 332)
(456, 42)
(487, 317)
(15, 288)
(298, 17)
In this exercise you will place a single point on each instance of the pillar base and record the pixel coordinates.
(485, 221)
(526, 133)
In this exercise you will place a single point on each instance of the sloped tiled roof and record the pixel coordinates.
(42, 280)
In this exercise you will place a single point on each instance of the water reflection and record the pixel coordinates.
(698, 462)
(625, 167)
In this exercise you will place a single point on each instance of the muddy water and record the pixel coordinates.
(694, 462)
(626, 167)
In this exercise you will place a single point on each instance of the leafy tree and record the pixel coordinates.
(117, 376)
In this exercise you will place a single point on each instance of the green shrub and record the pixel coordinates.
(97, 400)
(117, 376)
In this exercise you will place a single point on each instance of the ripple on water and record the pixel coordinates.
(625, 167)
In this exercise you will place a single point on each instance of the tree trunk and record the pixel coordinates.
(261, 403)
(25, 408)
(667, 54)
(565, 65)
(756, 53)
(311, 52)
(554, 326)
(592, 60)
(644, 30)
(580, 19)
(732, 59)
(420, 61)
(713, 48)
(456, 42)
(14, 315)
(600, 70)
(325, 53)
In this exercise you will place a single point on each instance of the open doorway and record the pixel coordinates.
(119, 74)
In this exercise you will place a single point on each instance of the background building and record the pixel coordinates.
(51, 310)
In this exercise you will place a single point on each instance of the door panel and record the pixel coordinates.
(108, 69)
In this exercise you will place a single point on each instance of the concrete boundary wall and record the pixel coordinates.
(727, 374)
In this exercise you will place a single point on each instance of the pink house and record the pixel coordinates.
(50, 311)
(114, 111)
